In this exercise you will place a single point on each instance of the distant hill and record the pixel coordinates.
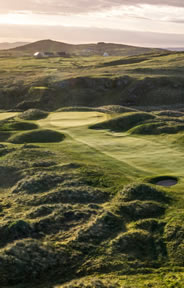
(179, 49)
(83, 49)
(6, 45)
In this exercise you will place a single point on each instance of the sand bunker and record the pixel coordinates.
(165, 181)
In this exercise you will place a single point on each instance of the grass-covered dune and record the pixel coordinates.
(33, 114)
(37, 136)
(13, 125)
(89, 211)
(125, 122)
(105, 109)
(158, 128)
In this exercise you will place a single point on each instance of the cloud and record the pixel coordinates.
(76, 6)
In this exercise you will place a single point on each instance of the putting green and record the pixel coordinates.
(75, 119)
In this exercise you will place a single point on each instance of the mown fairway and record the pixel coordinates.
(144, 155)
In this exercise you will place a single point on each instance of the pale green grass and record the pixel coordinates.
(75, 119)
(28, 70)
(7, 115)
(142, 156)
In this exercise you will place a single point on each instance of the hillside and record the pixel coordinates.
(6, 45)
(83, 49)
(143, 80)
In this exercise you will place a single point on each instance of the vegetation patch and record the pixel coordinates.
(72, 194)
(32, 260)
(14, 231)
(38, 183)
(9, 175)
(151, 225)
(124, 123)
(4, 136)
(13, 125)
(170, 113)
(135, 210)
(174, 237)
(76, 108)
(101, 228)
(143, 192)
(137, 244)
(116, 109)
(37, 136)
(91, 283)
(33, 114)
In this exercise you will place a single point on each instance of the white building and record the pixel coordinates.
(106, 54)
(39, 55)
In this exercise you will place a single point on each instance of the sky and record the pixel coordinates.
(150, 23)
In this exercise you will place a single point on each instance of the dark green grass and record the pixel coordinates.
(157, 128)
(33, 114)
(124, 123)
(13, 125)
(37, 136)
(170, 113)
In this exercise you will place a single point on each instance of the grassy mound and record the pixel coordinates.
(4, 136)
(103, 109)
(37, 183)
(73, 195)
(101, 228)
(157, 128)
(90, 283)
(116, 109)
(32, 258)
(150, 225)
(33, 114)
(124, 123)
(75, 109)
(137, 244)
(12, 125)
(170, 113)
(136, 210)
(37, 136)
(143, 192)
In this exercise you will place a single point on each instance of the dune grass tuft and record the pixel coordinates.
(33, 114)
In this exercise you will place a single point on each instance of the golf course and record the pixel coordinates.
(92, 195)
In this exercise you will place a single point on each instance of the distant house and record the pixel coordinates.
(106, 54)
(61, 54)
(39, 55)
(49, 54)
